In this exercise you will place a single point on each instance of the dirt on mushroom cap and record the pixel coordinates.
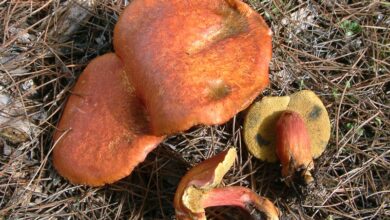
(259, 125)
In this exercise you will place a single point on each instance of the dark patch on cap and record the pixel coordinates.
(315, 112)
(219, 90)
(234, 23)
(261, 140)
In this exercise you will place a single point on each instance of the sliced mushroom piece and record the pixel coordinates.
(199, 189)
(301, 116)
(193, 62)
(103, 132)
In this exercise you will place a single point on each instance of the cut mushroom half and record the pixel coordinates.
(103, 132)
(294, 129)
(199, 189)
(193, 62)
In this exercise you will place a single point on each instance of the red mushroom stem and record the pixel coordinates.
(294, 147)
(241, 197)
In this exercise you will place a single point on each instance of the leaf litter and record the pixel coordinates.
(339, 49)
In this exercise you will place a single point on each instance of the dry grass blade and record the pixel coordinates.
(339, 49)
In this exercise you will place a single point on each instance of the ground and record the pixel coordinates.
(339, 49)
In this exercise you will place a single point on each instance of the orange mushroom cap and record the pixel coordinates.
(193, 62)
(103, 132)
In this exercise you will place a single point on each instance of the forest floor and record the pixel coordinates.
(338, 49)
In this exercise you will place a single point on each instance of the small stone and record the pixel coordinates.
(7, 150)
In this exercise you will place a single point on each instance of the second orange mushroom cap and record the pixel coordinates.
(104, 132)
(193, 62)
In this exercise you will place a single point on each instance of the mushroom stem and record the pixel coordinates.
(294, 147)
(241, 197)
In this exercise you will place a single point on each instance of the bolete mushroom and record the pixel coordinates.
(193, 62)
(294, 129)
(198, 189)
(103, 132)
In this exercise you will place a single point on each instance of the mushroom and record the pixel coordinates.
(193, 62)
(103, 132)
(297, 124)
(198, 189)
